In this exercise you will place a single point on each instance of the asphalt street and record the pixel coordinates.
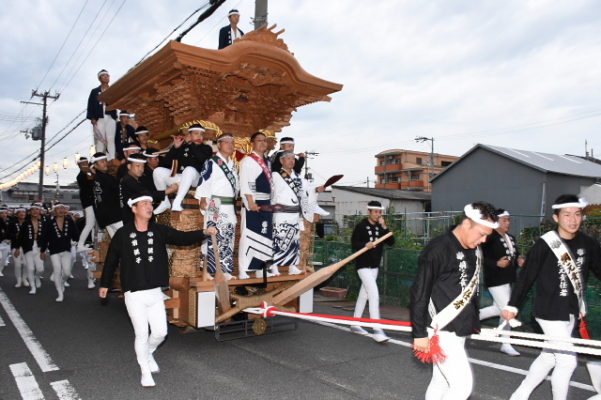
(80, 349)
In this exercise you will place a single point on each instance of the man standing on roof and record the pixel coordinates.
(230, 32)
(103, 120)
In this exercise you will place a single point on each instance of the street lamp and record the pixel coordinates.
(421, 139)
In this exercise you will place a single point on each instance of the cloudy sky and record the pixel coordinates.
(522, 74)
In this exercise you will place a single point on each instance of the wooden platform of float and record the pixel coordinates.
(254, 84)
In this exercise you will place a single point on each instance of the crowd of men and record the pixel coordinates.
(28, 234)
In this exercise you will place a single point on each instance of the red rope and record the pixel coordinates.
(268, 312)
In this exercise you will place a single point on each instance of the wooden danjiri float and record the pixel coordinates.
(254, 84)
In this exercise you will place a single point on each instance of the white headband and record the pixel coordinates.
(130, 159)
(475, 215)
(20, 209)
(95, 159)
(132, 148)
(224, 136)
(124, 114)
(39, 207)
(233, 12)
(196, 129)
(581, 204)
(503, 214)
(141, 132)
(131, 202)
(83, 160)
(103, 72)
(375, 208)
(287, 142)
(145, 154)
(58, 205)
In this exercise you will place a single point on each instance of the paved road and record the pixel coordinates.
(89, 355)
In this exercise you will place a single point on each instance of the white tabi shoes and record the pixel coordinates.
(177, 207)
(152, 364)
(379, 336)
(509, 350)
(243, 275)
(147, 380)
(293, 270)
(164, 206)
(359, 331)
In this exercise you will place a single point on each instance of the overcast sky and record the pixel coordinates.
(522, 74)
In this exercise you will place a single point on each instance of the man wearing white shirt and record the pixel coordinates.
(256, 184)
(230, 32)
(217, 191)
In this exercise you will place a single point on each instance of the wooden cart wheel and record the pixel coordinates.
(260, 326)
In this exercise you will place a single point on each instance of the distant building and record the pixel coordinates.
(24, 193)
(523, 182)
(350, 200)
(409, 170)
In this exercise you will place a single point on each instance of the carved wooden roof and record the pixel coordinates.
(256, 83)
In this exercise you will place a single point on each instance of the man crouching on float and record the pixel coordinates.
(444, 305)
(139, 248)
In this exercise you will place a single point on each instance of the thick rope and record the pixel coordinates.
(489, 335)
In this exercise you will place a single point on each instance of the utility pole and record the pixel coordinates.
(260, 18)
(424, 139)
(308, 155)
(45, 96)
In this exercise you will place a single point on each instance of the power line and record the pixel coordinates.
(17, 165)
(171, 33)
(85, 35)
(62, 46)
(94, 46)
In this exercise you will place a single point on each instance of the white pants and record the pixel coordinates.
(368, 292)
(35, 265)
(452, 379)
(147, 307)
(104, 135)
(563, 363)
(19, 263)
(113, 228)
(500, 296)
(4, 253)
(61, 269)
(189, 178)
(87, 229)
(162, 178)
(594, 370)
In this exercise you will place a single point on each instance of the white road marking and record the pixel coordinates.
(28, 386)
(2, 322)
(35, 348)
(501, 367)
(64, 390)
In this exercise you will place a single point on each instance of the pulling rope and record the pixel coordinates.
(576, 345)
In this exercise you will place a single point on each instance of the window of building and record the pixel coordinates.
(445, 163)
(414, 175)
(418, 160)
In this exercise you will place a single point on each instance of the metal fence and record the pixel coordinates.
(399, 267)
